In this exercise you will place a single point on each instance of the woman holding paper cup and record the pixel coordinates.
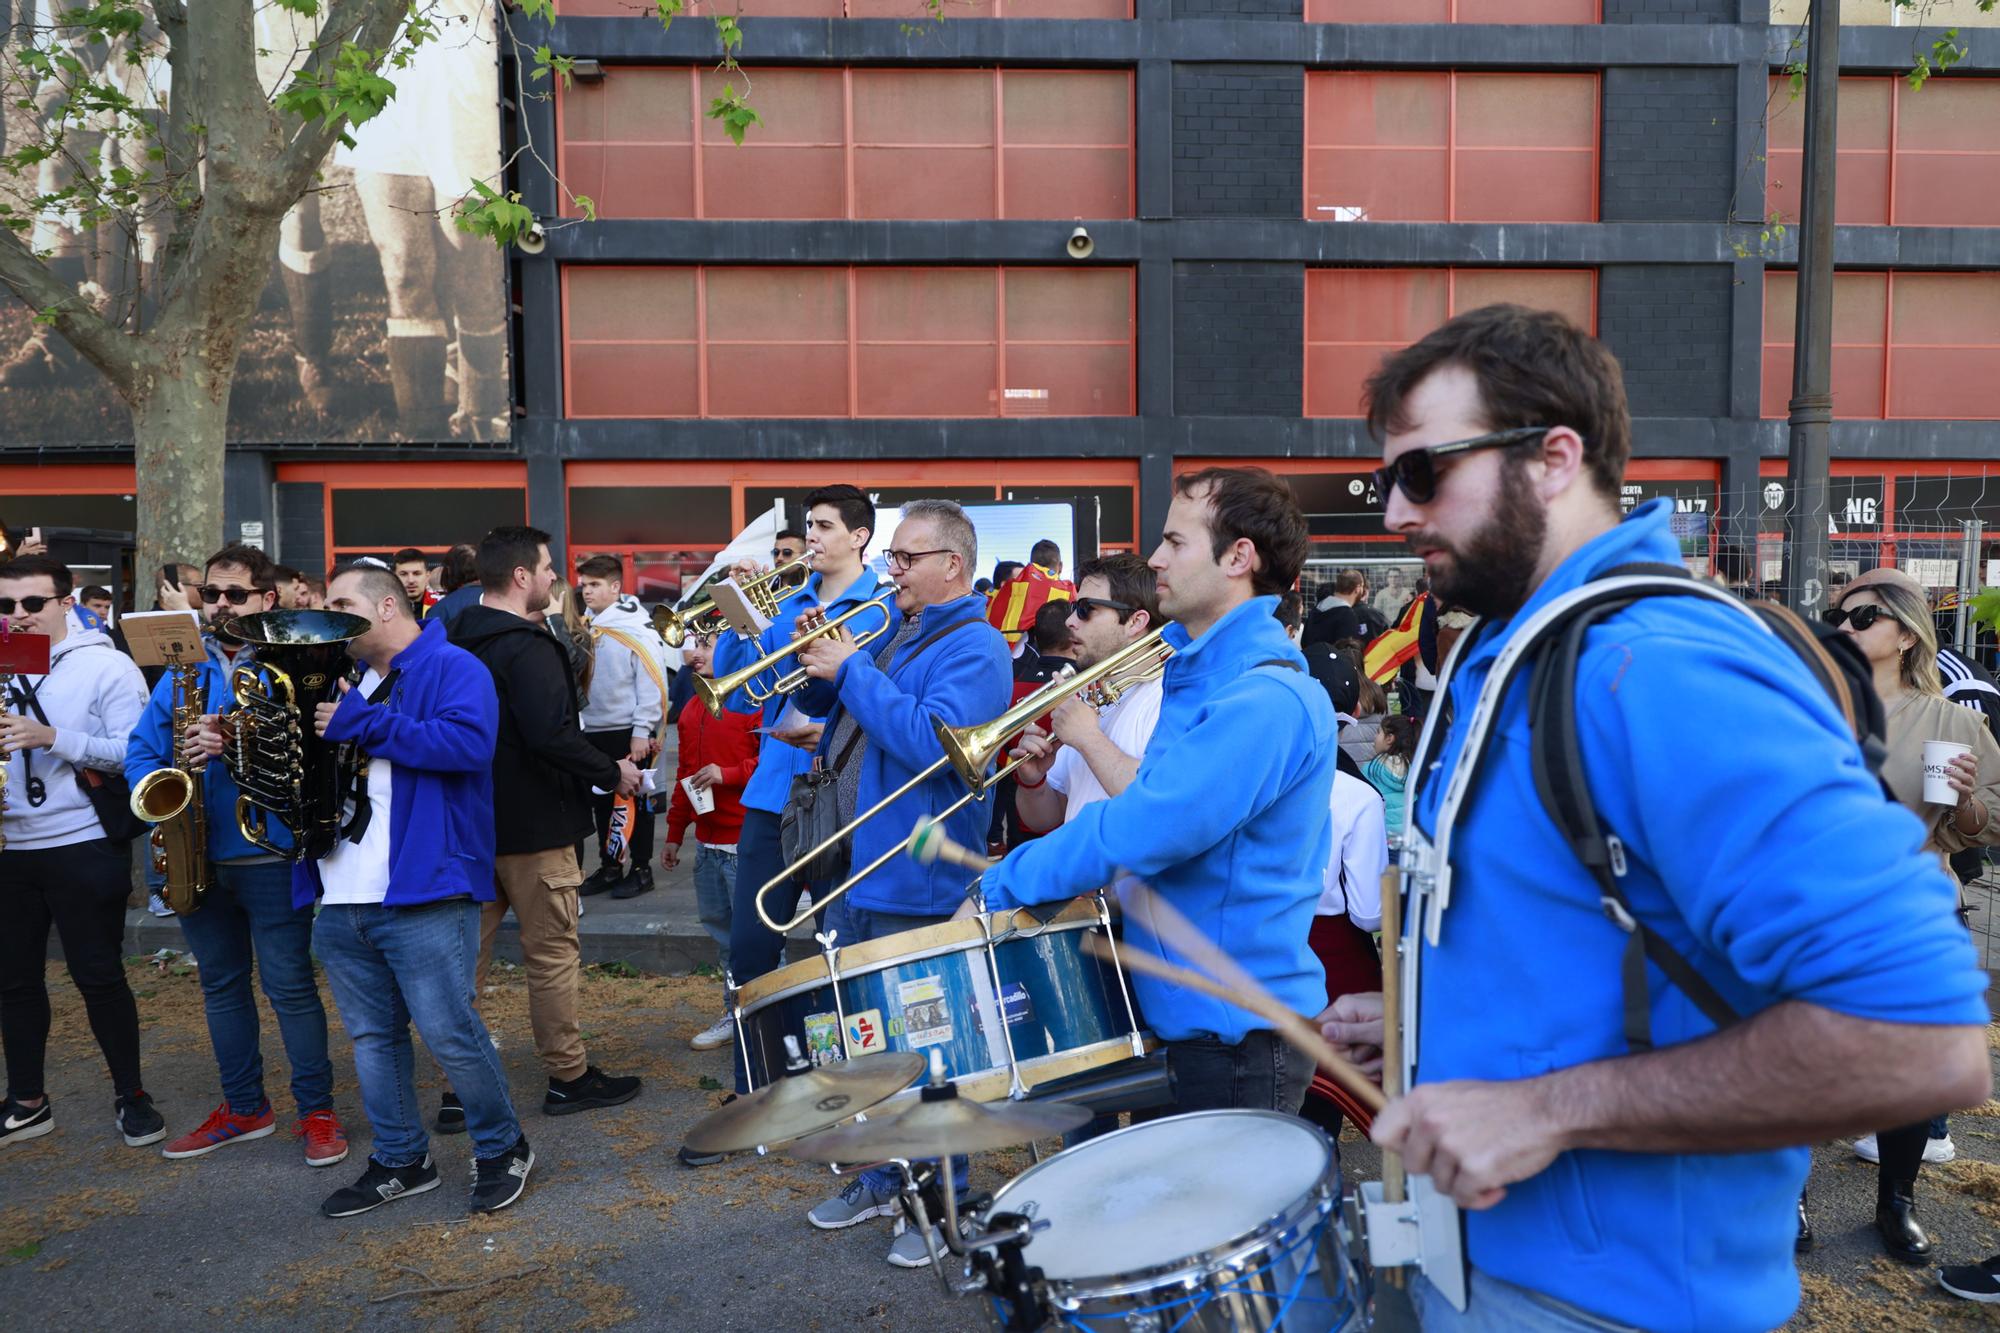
(1944, 765)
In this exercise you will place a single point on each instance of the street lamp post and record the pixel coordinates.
(1811, 413)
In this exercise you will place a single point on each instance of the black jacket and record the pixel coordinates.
(543, 767)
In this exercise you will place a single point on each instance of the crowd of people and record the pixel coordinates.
(1623, 1031)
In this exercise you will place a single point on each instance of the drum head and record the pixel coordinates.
(1164, 1191)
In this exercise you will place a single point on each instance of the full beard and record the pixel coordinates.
(1492, 572)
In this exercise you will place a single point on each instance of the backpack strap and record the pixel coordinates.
(646, 660)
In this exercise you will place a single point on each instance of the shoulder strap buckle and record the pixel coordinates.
(1618, 913)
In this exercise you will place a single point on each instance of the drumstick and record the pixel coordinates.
(1393, 1183)
(928, 843)
(1298, 1031)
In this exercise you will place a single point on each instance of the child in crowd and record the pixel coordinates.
(1389, 770)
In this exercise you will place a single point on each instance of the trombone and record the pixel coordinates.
(968, 750)
(763, 592)
(714, 692)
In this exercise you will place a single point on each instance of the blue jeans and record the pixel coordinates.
(856, 924)
(714, 888)
(394, 966)
(248, 914)
(1501, 1307)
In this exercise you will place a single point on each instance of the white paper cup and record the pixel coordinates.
(703, 798)
(1937, 788)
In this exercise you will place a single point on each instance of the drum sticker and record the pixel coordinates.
(926, 1014)
(823, 1039)
(864, 1032)
(1015, 1002)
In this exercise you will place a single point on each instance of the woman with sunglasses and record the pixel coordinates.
(1888, 616)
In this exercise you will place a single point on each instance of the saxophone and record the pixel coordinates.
(172, 801)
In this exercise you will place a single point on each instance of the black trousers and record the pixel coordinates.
(1902, 1152)
(1259, 1073)
(81, 890)
(618, 744)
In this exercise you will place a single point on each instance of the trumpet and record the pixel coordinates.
(968, 750)
(763, 592)
(713, 692)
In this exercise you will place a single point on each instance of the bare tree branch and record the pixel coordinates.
(119, 356)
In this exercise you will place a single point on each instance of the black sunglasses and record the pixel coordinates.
(211, 594)
(1416, 472)
(1861, 616)
(1085, 607)
(32, 604)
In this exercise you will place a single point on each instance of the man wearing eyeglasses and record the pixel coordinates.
(1622, 1159)
(59, 732)
(247, 916)
(787, 546)
(944, 664)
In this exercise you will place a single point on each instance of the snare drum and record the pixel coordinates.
(1007, 1011)
(1200, 1223)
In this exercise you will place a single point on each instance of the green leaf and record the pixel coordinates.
(735, 114)
(484, 211)
(707, 1084)
(588, 205)
(1985, 608)
(25, 1251)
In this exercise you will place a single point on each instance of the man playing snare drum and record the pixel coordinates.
(1610, 1184)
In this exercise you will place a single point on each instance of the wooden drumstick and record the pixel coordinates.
(1297, 1030)
(1393, 1180)
(928, 843)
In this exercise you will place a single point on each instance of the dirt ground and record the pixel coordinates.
(612, 1233)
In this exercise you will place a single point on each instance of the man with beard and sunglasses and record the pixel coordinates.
(247, 919)
(1608, 1177)
(60, 732)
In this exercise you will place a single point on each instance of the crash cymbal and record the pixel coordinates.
(805, 1103)
(939, 1128)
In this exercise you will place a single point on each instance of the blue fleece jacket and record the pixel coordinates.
(1227, 819)
(962, 677)
(438, 727)
(152, 747)
(778, 763)
(1769, 860)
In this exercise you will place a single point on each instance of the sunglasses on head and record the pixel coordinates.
(1415, 473)
(211, 594)
(31, 605)
(1861, 617)
(1087, 606)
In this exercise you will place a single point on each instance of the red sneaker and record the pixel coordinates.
(222, 1126)
(326, 1141)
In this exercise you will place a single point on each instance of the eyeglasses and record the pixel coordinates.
(902, 560)
(1416, 472)
(210, 593)
(1861, 617)
(1086, 607)
(31, 605)
(783, 553)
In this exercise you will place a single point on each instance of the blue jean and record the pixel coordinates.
(391, 967)
(854, 925)
(1501, 1307)
(248, 915)
(714, 890)
(754, 948)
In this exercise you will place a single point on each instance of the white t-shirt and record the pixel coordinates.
(1360, 848)
(358, 872)
(1128, 724)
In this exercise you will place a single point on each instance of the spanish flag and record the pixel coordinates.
(1397, 644)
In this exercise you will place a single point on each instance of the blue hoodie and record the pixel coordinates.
(778, 763)
(438, 727)
(1227, 819)
(152, 747)
(963, 677)
(1766, 855)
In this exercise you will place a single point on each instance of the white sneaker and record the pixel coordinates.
(158, 905)
(1866, 1150)
(1937, 1151)
(719, 1033)
(908, 1249)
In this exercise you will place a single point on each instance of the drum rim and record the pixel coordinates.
(945, 937)
(1321, 1198)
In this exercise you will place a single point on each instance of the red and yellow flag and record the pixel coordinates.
(1397, 644)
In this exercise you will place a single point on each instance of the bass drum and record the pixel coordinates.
(1034, 1007)
(1212, 1222)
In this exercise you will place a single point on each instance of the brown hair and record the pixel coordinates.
(1533, 368)
(1249, 502)
(1131, 581)
(255, 564)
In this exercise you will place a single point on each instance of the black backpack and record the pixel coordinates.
(1557, 759)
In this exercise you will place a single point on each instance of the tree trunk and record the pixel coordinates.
(178, 432)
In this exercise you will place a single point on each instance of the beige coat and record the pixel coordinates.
(1929, 717)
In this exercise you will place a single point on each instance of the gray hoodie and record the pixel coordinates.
(623, 694)
(93, 696)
